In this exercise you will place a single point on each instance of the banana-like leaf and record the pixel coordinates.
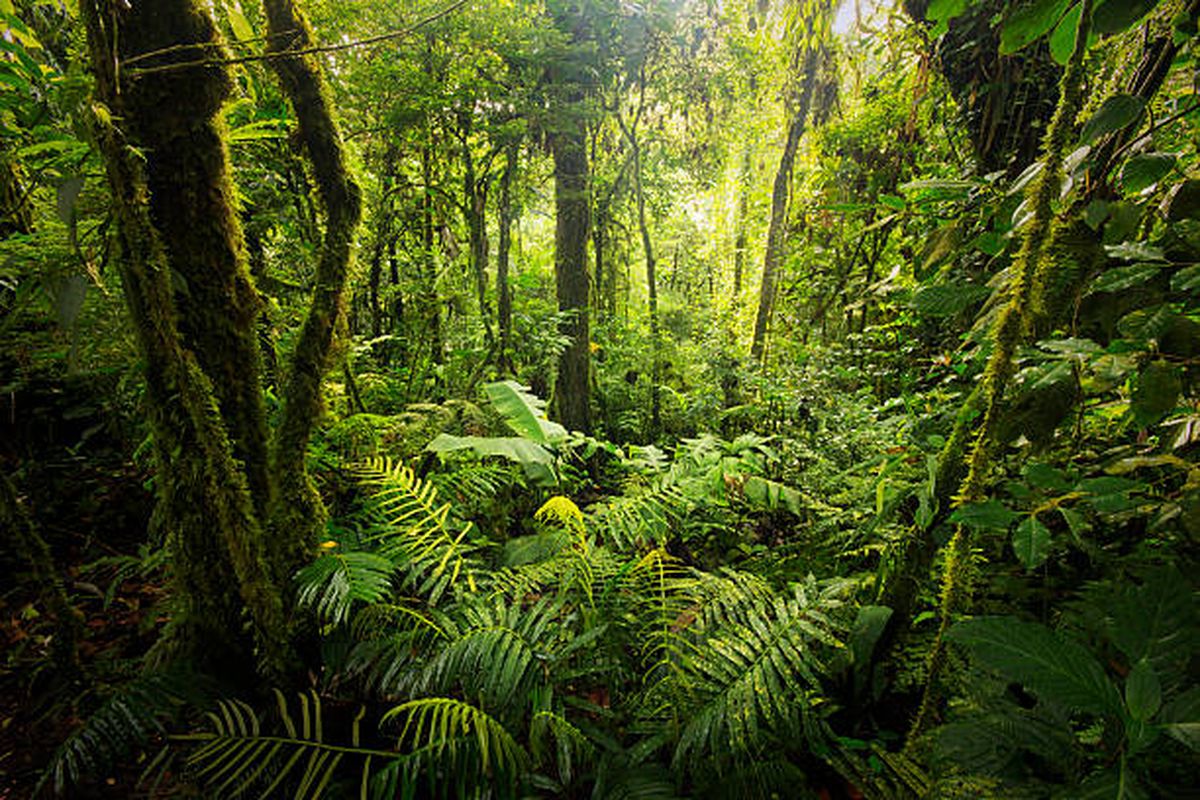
(523, 412)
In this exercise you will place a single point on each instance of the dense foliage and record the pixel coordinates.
(590, 398)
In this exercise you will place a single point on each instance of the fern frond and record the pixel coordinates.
(550, 734)
(331, 584)
(234, 758)
(126, 722)
(446, 726)
(496, 653)
(752, 677)
(472, 484)
(416, 535)
(632, 521)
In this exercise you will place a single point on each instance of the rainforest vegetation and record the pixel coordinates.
(599, 398)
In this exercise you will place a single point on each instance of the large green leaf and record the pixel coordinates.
(1143, 692)
(1115, 113)
(1031, 542)
(1057, 669)
(1121, 278)
(1155, 392)
(1142, 172)
(1030, 22)
(1062, 41)
(524, 413)
(1114, 16)
(945, 300)
(989, 515)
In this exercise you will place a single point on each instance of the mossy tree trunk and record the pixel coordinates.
(206, 499)
(572, 390)
(298, 515)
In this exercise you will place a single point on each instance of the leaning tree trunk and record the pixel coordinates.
(205, 496)
(572, 391)
(298, 515)
(776, 231)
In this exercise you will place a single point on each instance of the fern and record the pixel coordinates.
(752, 677)
(646, 518)
(496, 653)
(416, 534)
(235, 758)
(128, 721)
(448, 727)
(331, 584)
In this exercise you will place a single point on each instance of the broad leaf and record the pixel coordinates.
(1117, 112)
(1142, 172)
(989, 515)
(524, 413)
(1062, 41)
(1028, 23)
(514, 448)
(1143, 692)
(1122, 278)
(1031, 542)
(1055, 668)
(1155, 392)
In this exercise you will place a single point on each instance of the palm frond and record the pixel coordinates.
(235, 758)
(467, 735)
(331, 584)
(415, 532)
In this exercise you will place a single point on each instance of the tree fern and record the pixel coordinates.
(415, 532)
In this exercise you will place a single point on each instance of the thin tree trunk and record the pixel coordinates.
(777, 230)
(739, 243)
(474, 209)
(429, 258)
(299, 514)
(504, 291)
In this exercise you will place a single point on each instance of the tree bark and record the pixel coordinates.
(572, 391)
(503, 290)
(298, 513)
(777, 229)
(205, 499)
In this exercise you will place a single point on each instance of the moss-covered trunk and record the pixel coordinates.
(298, 515)
(572, 393)
(206, 501)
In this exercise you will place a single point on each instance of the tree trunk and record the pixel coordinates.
(572, 390)
(429, 258)
(474, 209)
(205, 496)
(777, 230)
(504, 291)
(298, 514)
(739, 243)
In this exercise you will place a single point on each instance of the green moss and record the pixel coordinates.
(1026, 270)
